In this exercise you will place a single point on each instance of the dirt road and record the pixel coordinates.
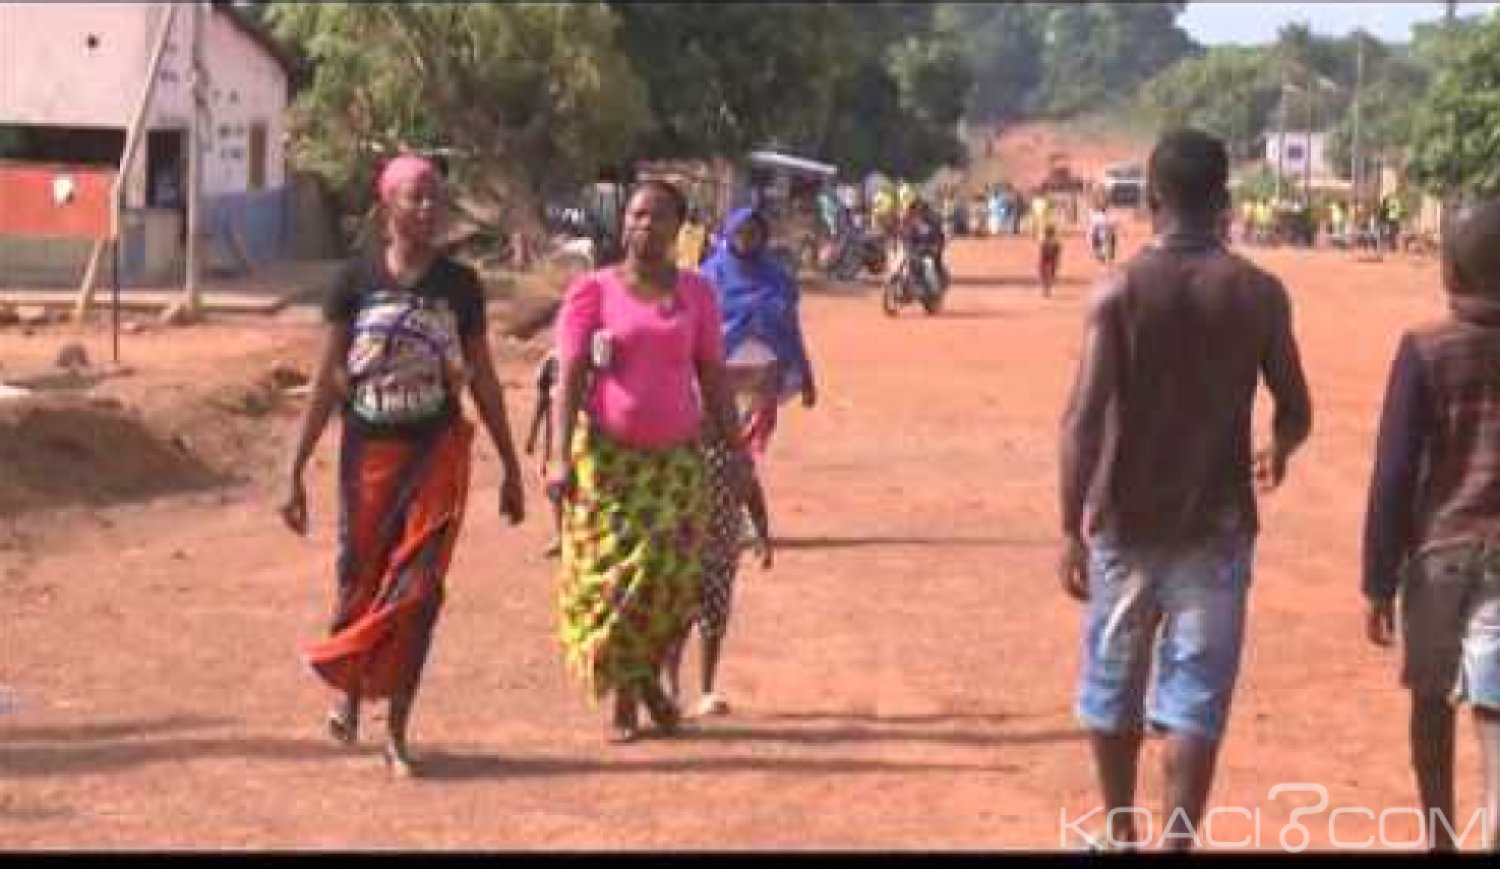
(902, 679)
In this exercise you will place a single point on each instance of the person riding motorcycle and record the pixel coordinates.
(921, 233)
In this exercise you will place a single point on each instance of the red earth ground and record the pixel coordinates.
(901, 680)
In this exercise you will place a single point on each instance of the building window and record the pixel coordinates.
(1295, 153)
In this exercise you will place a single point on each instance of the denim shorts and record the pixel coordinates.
(1450, 619)
(1181, 609)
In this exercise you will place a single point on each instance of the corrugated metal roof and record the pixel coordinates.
(787, 161)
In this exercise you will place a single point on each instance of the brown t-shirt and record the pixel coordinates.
(1191, 328)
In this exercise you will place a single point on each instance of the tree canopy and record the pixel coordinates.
(1058, 59)
(1237, 91)
(541, 96)
(535, 95)
(1456, 137)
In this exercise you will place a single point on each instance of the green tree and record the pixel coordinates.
(725, 77)
(1394, 83)
(1456, 139)
(1097, 52)
(1003, 44)
(532, 96)
(1236, 92)
(1230, 91)
(868, 86)
(1060, 59)
(900, 114)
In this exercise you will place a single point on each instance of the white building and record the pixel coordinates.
(71, 76)
(1302, 149)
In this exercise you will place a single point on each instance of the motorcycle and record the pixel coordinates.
(844, 258)
(917, 281)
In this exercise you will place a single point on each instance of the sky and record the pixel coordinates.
(1212, 23)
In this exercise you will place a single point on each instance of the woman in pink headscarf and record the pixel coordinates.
(406, 336)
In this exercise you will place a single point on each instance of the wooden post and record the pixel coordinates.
(197, 99)
(90, 277)
(133, 136)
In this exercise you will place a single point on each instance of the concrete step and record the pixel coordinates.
(148, 300)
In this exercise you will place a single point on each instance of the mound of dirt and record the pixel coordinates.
(205, 410)
(66, 452)
(1025, 153)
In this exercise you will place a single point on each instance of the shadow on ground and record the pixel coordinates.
(899, 542)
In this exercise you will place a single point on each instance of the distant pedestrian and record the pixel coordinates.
(1049, 259)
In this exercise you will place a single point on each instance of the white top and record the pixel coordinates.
(752, 354)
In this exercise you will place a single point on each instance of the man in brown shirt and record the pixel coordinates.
(1432, 533)
(1156, 457)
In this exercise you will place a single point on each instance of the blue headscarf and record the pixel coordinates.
(758, 299)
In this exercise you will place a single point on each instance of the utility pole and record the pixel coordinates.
(1308, 95)
(1359, 84)
(1281, 133)
(198, 103)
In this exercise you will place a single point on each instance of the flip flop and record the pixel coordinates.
(664, 713)
(620, 734)
(400, 766)
(1099, 842)
(623, 729)
(711, 705)
(343, 731)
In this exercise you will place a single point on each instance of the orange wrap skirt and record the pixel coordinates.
(401, 507)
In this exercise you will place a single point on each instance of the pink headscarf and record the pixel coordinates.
(407, 167)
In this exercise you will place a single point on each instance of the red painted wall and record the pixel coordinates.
(27, 207)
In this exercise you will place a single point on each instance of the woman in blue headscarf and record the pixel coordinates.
(758, 300)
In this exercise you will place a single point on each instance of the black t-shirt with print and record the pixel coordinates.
(407, 344)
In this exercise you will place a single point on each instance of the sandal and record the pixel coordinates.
(664, 713)
(399, 763)
(1100, 842)
(343, 729)
(621, 734)
(623, 728)
(710, 705)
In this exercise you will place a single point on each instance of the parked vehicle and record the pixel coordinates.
(1125, 186)
(857, 251)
